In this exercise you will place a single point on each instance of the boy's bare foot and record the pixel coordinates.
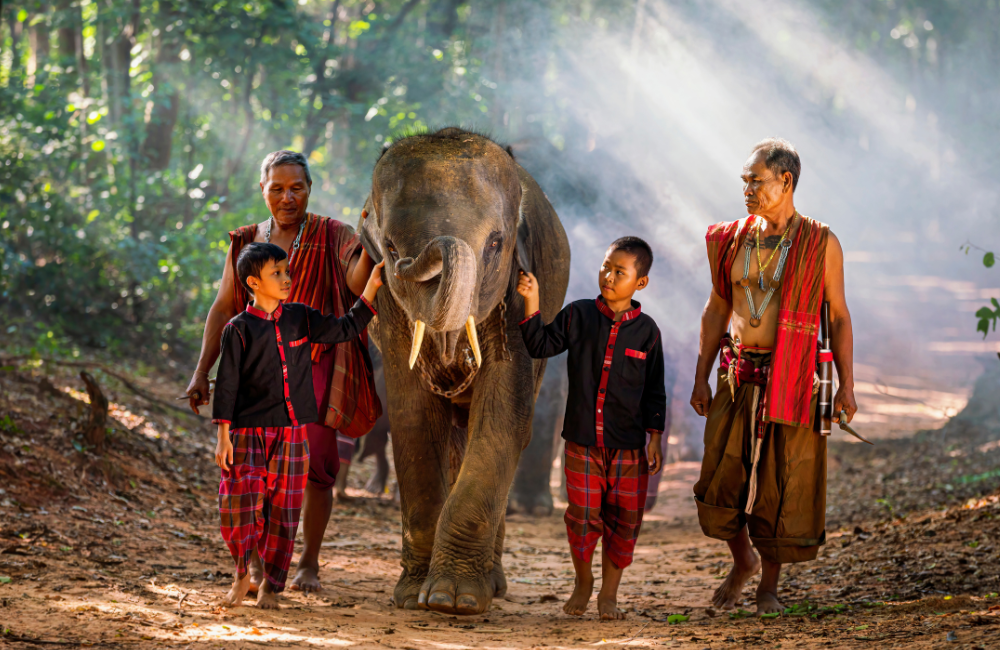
(237, 593)
(266, 598)
(306, 579)
(731, 590)
(256, 570)
(607, 606)
(767, 603)
(578, 601)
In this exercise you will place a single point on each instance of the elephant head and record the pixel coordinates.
(444, 213)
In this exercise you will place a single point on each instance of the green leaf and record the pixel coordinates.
(995, 304)
(97, 145)
(985, 313)
(22, 16)
(771, 615)
(989, 260)
(984, 327)
(4, 580)
(92, 215)
(674, 619)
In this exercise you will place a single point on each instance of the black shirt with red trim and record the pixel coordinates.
(616, 388)
(265, 375)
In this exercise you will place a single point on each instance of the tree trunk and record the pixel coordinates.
(166, 99)
(16, 28)
(38, 41)
(97, 424)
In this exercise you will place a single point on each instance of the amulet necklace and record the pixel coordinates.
(298, 237)
(762, 266)
(783, 246)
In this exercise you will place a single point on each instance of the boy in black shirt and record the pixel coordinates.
(616, 398)
(264, 392)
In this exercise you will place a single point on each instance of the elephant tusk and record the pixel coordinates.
(470, 330)
(418, 338)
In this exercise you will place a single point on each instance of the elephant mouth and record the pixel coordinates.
(446, 342)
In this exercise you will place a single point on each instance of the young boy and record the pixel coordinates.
(263, 400)
(616, 398)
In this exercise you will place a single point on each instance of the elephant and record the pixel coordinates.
(456, 219)
(531, 493)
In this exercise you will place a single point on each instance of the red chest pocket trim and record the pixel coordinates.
(301, 341)
(635, 354)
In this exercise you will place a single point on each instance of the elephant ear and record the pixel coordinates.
(523, 238)
(371, 234)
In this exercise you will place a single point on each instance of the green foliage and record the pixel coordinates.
(674, 619)
(986, 316)
(125, 162)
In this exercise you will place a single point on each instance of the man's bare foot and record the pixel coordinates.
(767, 603)
(237, 593)
(731, 590)
(607, 606)
(306, 579)
(340, 496)
(256, 570)
(266, 598)
(578, 601)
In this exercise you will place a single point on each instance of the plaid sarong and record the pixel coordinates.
(261, 495)
(607, 492)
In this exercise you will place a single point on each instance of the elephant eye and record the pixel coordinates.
(392, 249)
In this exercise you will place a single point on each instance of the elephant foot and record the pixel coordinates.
(407, 591)
(498, 579)
(452, 594)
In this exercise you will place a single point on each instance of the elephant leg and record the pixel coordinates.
(421, 449)
(461, 578)
(531, 493)
(497, 577)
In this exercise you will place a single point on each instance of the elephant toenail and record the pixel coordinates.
(422, 598)
(441, 599)
(411, 603)
(468, 604)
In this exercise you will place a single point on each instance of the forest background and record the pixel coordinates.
(131, 133)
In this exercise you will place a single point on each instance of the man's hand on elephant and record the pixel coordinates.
(198, 390)
(527, 286)
(701, 397)
(654, 452)
(844, 401)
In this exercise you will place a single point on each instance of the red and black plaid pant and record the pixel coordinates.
(261, 495)
(607, 491)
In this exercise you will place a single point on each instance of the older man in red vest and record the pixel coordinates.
(329, 270)
(763, 476)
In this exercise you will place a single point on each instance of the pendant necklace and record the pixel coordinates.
(784, 245)
(762, 266)
(295, 244)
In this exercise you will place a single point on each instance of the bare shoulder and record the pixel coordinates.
(834, 251)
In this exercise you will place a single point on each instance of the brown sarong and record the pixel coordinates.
(787, 516)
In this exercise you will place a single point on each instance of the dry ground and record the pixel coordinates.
(122, 550)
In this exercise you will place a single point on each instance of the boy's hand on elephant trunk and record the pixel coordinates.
(527, 286)
(654, 452)
(374, 282)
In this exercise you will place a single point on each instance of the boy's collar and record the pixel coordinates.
(607, 311)
(260, 313)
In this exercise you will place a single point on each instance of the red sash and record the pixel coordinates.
(789, 389)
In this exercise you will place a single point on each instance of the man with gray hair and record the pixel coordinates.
(763, 476)
(329, 269)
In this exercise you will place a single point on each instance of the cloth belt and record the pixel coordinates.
(740, 370)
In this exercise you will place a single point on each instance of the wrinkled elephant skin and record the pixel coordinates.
(456, 218)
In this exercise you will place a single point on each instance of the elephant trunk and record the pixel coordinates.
(445, 273)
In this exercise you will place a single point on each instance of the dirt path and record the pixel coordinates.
(161, 581)
(122, 549)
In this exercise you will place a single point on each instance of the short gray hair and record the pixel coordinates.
(281, 158)
(781, 157)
